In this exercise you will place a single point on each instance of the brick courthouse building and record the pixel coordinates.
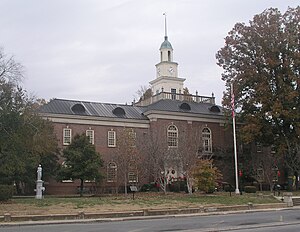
(168, 112)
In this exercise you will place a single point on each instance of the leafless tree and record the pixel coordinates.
(129, 158)
(189, 151)
(10, 70)
(155, 150)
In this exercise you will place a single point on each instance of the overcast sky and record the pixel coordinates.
(104, 50)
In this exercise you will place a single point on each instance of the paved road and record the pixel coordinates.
(282, 220)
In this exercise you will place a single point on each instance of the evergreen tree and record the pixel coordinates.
(82, 162)
(27, 140)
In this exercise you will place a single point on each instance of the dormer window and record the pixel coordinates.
(78, 108)
(215, 109)
(119, 112)
(185, 106)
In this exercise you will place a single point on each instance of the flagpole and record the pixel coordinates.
(237, 191)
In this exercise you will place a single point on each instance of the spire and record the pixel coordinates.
(166, 35)
(166, 44)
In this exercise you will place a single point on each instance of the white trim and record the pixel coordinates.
(172, 136)
(92, 137)
(69, 137)
(182, 117)
(111, 166)
(113, 138)
(206, 137)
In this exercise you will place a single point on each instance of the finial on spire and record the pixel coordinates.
(165, 14)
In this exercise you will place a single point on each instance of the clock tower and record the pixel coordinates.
(167, 79)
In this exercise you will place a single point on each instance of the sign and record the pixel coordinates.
(133, 188)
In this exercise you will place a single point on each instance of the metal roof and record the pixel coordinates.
(176, 106)
(66, 107)
(62, 106)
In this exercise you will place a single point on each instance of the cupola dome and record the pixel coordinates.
(166, 44)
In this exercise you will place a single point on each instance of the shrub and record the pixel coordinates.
(206, 175)
(151, 187)
(145, 188)
(174, 187)
(6, 192)
(228, 188)
(250, 189)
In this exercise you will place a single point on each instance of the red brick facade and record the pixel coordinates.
(221, 139)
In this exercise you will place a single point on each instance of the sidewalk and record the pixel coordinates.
(82, 217)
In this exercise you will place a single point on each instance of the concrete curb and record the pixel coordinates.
(82, 217)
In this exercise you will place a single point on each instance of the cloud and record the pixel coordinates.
(105, 50)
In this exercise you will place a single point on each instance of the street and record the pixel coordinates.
(280, 220)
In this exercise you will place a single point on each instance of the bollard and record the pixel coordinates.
(287, 198)
(7, 217)
(81, 215)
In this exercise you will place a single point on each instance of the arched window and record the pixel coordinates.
(206, 138)
(112, 172)
(169, 56)
(172, 134)
(132, 172)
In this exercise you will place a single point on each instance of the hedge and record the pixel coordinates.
(250, 189)
(6, 192)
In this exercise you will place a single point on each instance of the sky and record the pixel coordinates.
(105, 50)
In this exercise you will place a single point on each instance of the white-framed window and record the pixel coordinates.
(206, 139)
(258, 147)
(90, 135)
(173, 94)
(67, 136)
(132, 172)
(111, 138)
(67, 180)
(132, 177)
(273, 149)
(132, 137)
(172, 136)
(111, 175)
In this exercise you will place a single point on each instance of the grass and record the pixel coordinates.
(117, 203)
(150, 199)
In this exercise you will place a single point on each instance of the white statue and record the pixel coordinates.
(39, 184)
(39, 172)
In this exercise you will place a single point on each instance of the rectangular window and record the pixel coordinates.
(172, 139)
(67, 136)
(206, 145)
(173, 94)
(111, 172)
(132, 138)
(90, 135)
(132, 177)
(111, 139)
(273, 149)
(258, 147)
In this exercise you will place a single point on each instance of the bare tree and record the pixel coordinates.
(143, 93)
(155, 149)
(129, 158)
(189, 152)
(10, 70)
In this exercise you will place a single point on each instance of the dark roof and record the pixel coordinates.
(84, 108)
(185, 107)
(73, 107)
